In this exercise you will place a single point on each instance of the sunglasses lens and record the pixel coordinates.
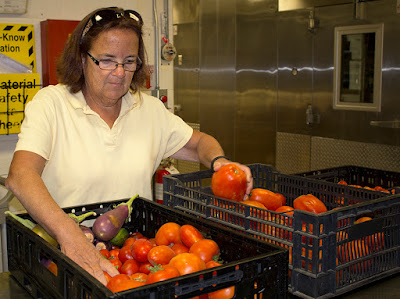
(105, 16)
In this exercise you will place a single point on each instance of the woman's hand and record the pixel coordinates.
(221, 162)
(78, 248)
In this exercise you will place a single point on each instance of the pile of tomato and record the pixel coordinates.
(230, 183)
(175, 250)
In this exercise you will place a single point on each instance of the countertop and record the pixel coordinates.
(388, 288)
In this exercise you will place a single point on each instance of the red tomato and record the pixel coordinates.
(179, 248)
(286, 210)
(282, 197)
(129, 267)
(187, 263)
(53, 268)
(116, 280)
(105, 253)
(139, 276)
(116, 263)
(376, 241)
(163, 273)
(190, 235)
(145, 267)
(168, 234)
(309, 203)
(253, 203)
(268, 198)
(363, 219)
(127, 285)
(229, 182)
(342, 183)
(114, 253)
(226, 293)
(153, 241)
(108, 277)
(125, 254)
(206, 249)
(136, 235)
(160, 255)
(129, 241)
(212, 264)
(140, 249)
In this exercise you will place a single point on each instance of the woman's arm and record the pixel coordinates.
(24, 180)
(204, 148)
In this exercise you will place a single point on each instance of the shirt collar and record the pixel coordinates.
(129, 101)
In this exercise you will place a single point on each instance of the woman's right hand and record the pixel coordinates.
(78, 248)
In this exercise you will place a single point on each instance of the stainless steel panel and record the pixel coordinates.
(186, 75)
(295, 71)
(355, 125)
(185, 11)
(217, 71)
(285, 5)
(256, 96)
(249, 73)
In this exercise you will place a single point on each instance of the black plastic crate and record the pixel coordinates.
(356, 175)
(329, 254)
(256, 269)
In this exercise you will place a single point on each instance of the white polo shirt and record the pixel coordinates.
(87, 162)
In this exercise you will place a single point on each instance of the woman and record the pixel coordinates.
(95, 137)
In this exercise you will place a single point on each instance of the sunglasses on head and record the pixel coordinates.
(104, 16)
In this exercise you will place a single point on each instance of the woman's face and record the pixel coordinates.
(106, 87)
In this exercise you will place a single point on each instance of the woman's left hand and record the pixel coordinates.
(221, 162)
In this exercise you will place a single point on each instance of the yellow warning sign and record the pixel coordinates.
(15, 91)
(17, 41)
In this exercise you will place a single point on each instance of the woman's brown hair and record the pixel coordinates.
(70, 67)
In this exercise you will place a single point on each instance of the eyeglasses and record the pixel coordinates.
(102, 17)
(110, 65)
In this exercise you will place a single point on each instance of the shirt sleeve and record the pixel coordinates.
(36, 128)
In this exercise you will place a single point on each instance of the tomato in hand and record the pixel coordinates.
(140, 249)
(168, 234)
(162, 273)
(129, 267)
(229, 182)
(190, 235)
(160, 255)
(206, 249)
(309, 203)
(187, 263)
(268, 198)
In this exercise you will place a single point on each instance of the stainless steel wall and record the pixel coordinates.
(249, 72)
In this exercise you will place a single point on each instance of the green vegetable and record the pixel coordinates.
(120, 238)
(36, 228)
(79, 219)
(29, 224)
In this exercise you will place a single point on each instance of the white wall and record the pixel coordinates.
(39, 10)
